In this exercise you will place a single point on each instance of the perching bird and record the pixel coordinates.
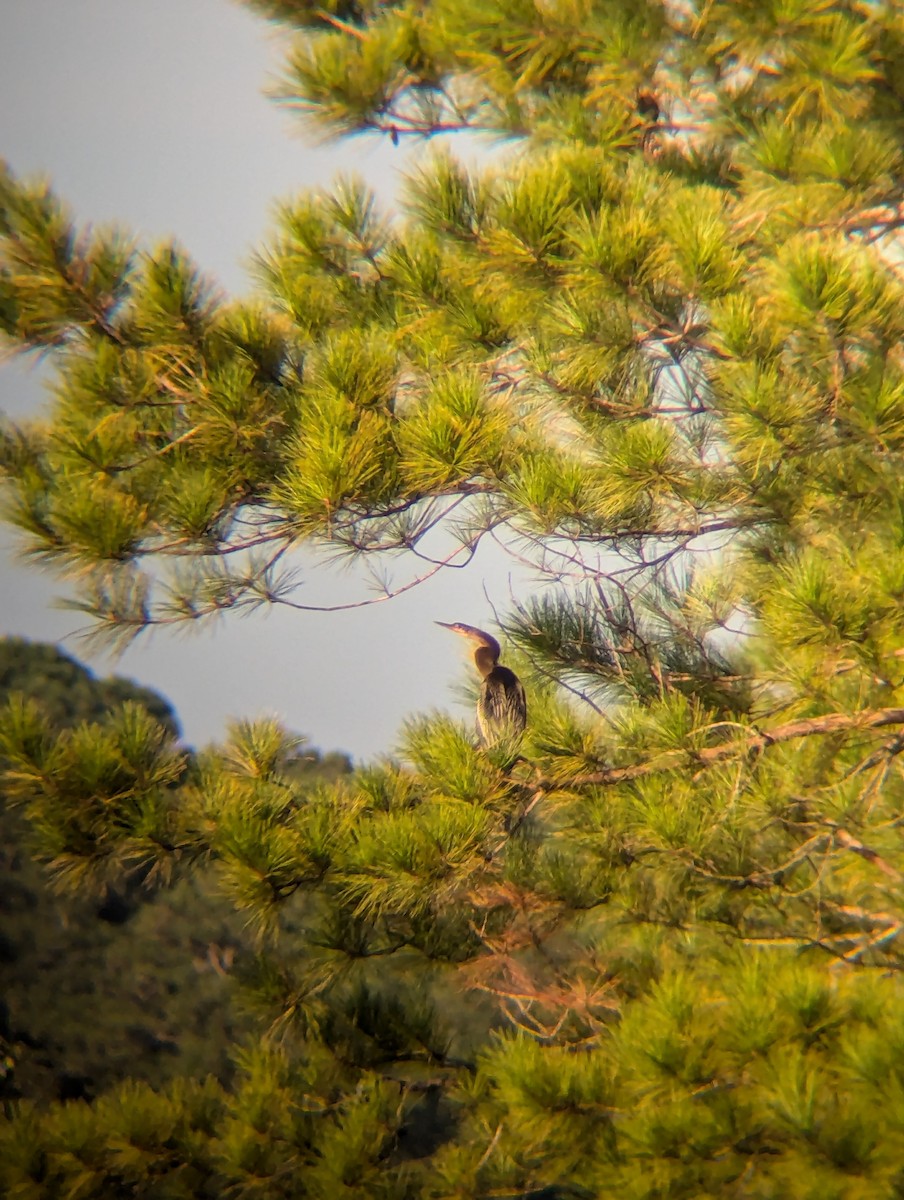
(501, 706)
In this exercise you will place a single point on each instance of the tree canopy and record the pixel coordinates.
(135, 982)
(653, 350)
(69, 693)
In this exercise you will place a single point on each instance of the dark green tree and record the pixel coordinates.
(655, 350)
(133, 982)
(67, 692)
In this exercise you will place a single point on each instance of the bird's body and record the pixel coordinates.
(501, 706)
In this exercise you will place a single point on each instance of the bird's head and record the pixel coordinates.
(477, 637)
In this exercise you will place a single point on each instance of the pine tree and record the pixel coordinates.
(134, 982)
(656, 350)
(67, 691)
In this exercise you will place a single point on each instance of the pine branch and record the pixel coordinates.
(754, 743)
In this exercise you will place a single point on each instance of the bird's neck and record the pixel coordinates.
(486, 658)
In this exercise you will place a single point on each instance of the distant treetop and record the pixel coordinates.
(67, 690)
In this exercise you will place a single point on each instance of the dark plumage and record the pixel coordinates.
(501, 706)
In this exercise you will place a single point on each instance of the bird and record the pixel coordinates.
(501, 706)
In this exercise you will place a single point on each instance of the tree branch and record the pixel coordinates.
(752, 744)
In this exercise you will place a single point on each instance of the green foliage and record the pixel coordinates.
(54, 282)
(654, 351)
(67, 691)
(133, 982)
(453, 437)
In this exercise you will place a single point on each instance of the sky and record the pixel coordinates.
(153, 116)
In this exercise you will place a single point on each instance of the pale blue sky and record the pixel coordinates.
(153, 115)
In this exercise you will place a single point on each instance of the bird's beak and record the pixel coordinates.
(445, 624)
